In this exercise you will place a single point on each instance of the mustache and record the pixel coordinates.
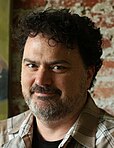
(45, 89)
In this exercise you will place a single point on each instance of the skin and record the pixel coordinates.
(61, 70)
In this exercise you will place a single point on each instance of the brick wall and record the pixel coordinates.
(102, 13)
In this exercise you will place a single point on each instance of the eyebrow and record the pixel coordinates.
(51, 62)
(28, 60)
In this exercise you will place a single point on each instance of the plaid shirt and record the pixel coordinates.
(93, 129)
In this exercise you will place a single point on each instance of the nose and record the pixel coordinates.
(43, 77)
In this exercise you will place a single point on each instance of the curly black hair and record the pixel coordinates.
(67, 28)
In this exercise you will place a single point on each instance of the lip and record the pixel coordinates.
(44, 94)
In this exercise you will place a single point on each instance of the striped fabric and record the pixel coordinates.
(93, 129)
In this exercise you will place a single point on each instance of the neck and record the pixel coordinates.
(55, 130)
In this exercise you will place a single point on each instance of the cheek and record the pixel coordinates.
(67, 84)
(26, 79)
(71, 84)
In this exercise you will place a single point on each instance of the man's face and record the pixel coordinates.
(54, 79)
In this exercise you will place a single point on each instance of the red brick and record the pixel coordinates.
(90, 3)
(106, 72)
(101, 21)
(69, 3)
(108, 64)
(104, 92)
(28, 4)
(106, 43)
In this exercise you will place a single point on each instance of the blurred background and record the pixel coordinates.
(4, 50)
(100, 11)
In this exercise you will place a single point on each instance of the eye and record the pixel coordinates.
(59, 68)
(32, 66)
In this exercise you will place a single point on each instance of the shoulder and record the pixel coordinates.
(16, 120)
(107, 120)
(105, 130)
(9, 124)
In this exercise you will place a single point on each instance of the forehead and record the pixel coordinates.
(41, 42)
(41, 46)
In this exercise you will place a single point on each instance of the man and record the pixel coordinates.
(60, 58)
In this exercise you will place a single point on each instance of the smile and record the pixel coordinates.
(44, 94)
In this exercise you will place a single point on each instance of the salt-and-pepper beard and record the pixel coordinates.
(59, 108)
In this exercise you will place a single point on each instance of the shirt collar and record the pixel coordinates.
(24, 126)
(86, 125)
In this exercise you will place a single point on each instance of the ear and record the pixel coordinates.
(90, 74)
